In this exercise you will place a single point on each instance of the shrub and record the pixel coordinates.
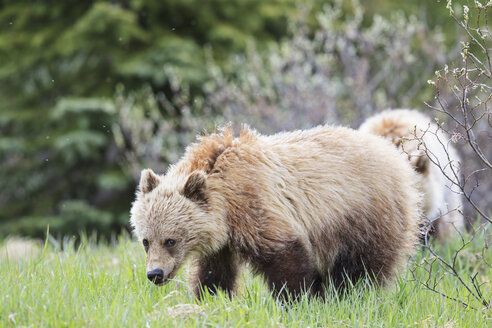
(340, 73)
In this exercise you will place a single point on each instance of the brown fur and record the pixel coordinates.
(302, 208)
(195, 187)
(421, 142)
(218, 270)
(290, 270)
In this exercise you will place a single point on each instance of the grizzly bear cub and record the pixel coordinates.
(428, 149)
(305, 209)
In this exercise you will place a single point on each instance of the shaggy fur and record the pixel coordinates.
(303, 208)
(425, 145)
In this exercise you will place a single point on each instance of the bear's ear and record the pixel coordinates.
(148, 181)
(421, 164)
(195, 187)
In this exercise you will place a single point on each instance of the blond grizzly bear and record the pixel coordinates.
(303, 208)
(430, 152)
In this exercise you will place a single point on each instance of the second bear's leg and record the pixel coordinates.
(218, 270)
(291, 271)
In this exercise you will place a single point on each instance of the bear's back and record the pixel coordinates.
(329, 185)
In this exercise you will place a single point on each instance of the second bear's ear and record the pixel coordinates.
(148, 181)
(421, 164)
(195, 187)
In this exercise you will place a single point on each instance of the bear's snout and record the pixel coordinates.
(156, 276)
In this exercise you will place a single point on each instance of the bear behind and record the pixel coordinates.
(425, 145)
(303, 208)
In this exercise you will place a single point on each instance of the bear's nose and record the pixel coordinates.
(156, 276)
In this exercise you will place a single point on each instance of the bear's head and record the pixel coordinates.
(172, 217)
(407, 130)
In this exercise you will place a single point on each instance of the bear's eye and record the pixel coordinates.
(145, 242)
(170, 243)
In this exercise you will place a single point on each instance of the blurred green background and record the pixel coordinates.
(93, 91)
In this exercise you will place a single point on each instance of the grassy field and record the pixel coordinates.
(105, 286)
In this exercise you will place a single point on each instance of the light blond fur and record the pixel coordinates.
(318, 187)
(429, 150)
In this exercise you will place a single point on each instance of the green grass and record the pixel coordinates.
(105, 286)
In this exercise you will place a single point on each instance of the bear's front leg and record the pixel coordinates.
(291, 271)
(215, 271)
